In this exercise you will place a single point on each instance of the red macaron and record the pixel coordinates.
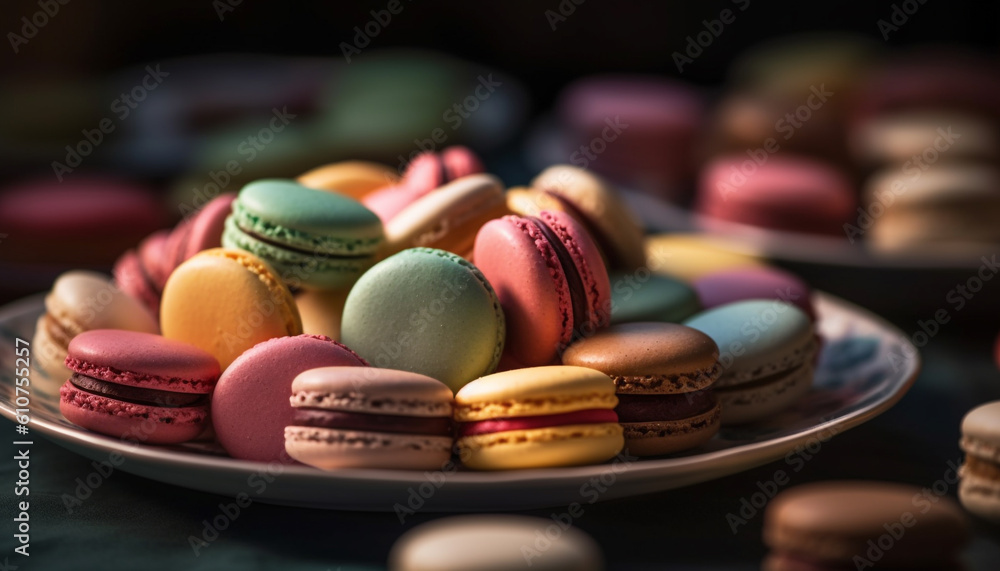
(551, 282)
(138, 386)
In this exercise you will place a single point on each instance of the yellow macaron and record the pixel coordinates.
(538, 417)
(225, 302)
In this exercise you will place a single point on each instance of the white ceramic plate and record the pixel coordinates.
(866, 366)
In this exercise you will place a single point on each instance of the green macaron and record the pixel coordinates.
(427, 311)
(645, 296)
(314, 239)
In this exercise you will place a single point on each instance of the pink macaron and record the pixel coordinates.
(141, 272)
(138, 386)
(778, 192)
(250, 407)
(203, 231)
(727, 286)
(425, 173)
(551, 282)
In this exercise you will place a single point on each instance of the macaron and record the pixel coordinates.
(537, 417)
(645, 296)
(903, 138)
(767, 350)
(642, 129)
(861, 524)
(142, 272)
(321, 311)
(788, 193)
(595, 204)
(80, 301)
(350, 178)
(494, 542)
(313, 239)
(551, 282)
(663, 374)
(728, 286)
(448, 217)
(424, 173)
(946, 208)
(426, 311)
(225, 302)
(250, 405)
(979, 490)
(201, 231)
(689, 256)
(363, 417)
(138, 386)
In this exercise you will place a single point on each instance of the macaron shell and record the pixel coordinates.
(571, 445)
(372, 390)
(728, 286)
(135, 280)
(142, 360)
(250, 405)
(124, 420)
(329, 449)
(86, 300)
(664, 437)
(603, 210)
(741, 403)
(981, 432)
(833, 521)
(321, 310)
(49, 360)
(448, 217)
(205, 229)
(650, 358)
(687, 257)
(979, 495)
(645, 296)
(757, 338)
(427, 311)
(534, 391)
(225, 302)
(350, 178)
(492, 543)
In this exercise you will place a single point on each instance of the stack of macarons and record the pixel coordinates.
(353, 319)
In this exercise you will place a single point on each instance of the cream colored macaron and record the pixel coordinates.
(538, 417)
(979, 490)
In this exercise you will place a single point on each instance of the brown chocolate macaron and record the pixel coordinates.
(663, 374)
(830, 526)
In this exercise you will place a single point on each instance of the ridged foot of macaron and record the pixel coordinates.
(761, 399)
(129, 421)
(330, 449)
(668, 436)
(573, 445)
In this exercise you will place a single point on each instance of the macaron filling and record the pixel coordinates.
(297, 241)
(651, 408)
(590, 416)
(292, 248)
(137, 395)
(577, 292)
(600, 238)
(975, 466)
(776, 377)
(362, 421)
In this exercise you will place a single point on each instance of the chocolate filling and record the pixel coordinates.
(652, 408)
(136, 395)
(600, 238)
(589, 416)
(323, 418)
(443, 169)
(982, 468)
(577, 293)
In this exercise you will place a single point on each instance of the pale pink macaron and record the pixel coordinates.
(425, 173)
(779, 192)
(363, 417)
